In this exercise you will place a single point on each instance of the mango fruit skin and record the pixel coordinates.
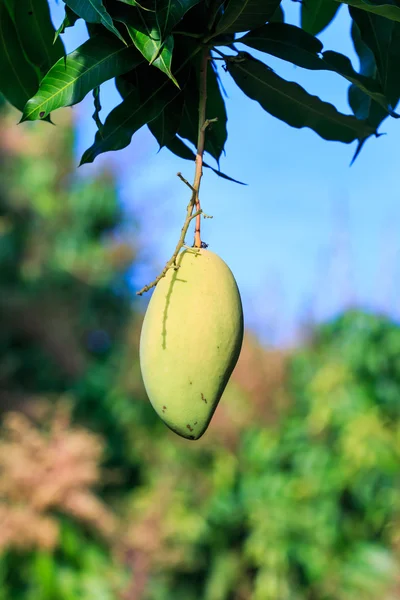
(190, 342)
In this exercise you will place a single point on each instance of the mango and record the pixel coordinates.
(190, 341)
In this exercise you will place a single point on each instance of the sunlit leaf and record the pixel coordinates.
(145, 34)
(97, 60)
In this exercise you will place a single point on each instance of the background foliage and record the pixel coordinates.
(292, 493)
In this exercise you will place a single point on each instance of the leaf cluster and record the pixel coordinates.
(152, 48)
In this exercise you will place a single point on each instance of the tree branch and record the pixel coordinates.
(171, 264)
(194, 200)
(200, 141)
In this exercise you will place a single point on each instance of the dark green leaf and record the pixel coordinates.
(145, 34)
(317, 14)
(287, 42)
(10, 6)
(216, 134)
(179, 148)
(142, 104)
(289, 102)
(382, 37)
(223, 39)
(385, 8)
(94, 11)
(97, 60)
(366, 109)
(170, 12)
(97, 108)
(138, 4)
(165, 126)
(36, 32)
(362, 105)
(69, 20)
(243, 15)
(278, 16)
(18, 78)
(364, 53)
(302, 49)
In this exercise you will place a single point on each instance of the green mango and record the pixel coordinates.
(191, 339)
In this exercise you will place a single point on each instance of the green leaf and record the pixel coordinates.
(70, 19)
(97, 60)
(216, 133)
(368, 110)
(278, 16)
(364, 53)
(134, 3)
(94, 11)
(142, 104)
(170, 12)
(362, 105)
(10, 6)
(317, 14)
(179, 148)
(145, 34)
(384, 8)
(289, 102)
(97, 108)
(243, 15)
(18, 78)
(382, 37)
(294, 45)
(36, 32)
(165, 126)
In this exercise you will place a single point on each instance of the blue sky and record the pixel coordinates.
(307, 235)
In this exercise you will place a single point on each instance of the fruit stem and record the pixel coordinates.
(194, 202)
(171, 264)
(200, 141)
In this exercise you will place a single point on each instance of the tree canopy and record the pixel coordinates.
(153, 49)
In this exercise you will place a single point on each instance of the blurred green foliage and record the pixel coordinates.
(304, 508)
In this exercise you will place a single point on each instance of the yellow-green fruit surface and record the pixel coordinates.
(190, 342)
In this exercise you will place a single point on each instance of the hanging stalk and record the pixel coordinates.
(194, 202)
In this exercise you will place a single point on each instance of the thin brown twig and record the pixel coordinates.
(194, 200)
(171, 264)
(185, 181)
(200, 141)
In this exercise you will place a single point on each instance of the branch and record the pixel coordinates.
(171, 264)
(194, 200)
